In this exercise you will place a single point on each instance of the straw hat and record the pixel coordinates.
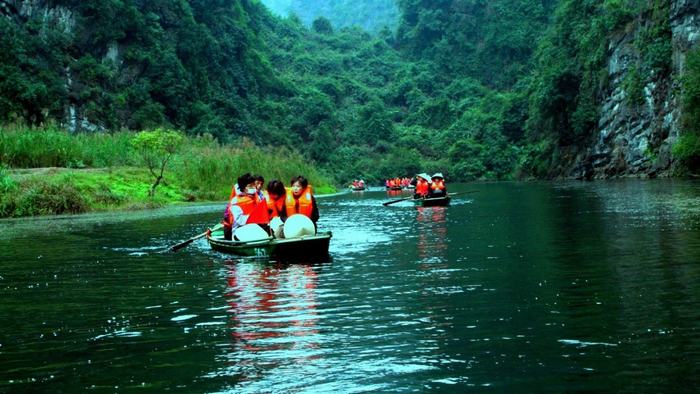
(298, 225)
(250, 232)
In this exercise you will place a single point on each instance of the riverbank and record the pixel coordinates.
(49, 171)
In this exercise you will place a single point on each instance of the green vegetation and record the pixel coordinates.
(353, 104)
(156, 148)
(687, 149)
(570, 75)
(372, 16)
(479, 89)
(202, 170)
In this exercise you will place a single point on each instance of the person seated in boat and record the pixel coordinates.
(259, 184)
(422, 186)
(276, 196)
(301, 199)
(437, 186)
(246, 207)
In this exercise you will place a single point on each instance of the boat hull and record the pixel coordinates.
(306, 247)
(434, 201)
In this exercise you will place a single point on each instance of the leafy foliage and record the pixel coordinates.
(472, 88)
(203, 170)
(570, 73)
(156, 148)
(372, 16)
(687, 149)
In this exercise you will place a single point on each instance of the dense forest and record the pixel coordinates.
(477, 89)
(372, 16)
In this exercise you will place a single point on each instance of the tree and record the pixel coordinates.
(322, 25)
(156, 148)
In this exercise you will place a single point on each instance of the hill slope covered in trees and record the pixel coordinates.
(370, 15)
(475, 89)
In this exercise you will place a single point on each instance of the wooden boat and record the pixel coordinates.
(305, 247)
(434, 201)
(394, 188)
(358, 189)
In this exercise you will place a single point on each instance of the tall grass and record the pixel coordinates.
(23, 147)
(107, 172)
(209, 170)
(39, 196)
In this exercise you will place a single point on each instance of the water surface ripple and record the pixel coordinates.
(519, 287)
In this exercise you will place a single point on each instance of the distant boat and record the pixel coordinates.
(357, 188)
(394, 188)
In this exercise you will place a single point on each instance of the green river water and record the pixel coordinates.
(515, 287)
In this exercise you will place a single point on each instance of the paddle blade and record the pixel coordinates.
(395, 201)
(181, 245)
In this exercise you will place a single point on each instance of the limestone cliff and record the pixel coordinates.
(635, 132)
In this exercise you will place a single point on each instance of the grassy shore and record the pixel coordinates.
(50, 171)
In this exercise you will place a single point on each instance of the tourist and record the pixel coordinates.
(246, 207)
(301, 199)
(437, 186)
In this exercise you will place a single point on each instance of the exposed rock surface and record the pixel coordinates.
(634, 138)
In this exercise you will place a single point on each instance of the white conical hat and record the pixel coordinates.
(298, 225)
(276, 225)
(438, 175)
(250, 232)
(424, 176)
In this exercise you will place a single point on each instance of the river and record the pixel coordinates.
(515, 287)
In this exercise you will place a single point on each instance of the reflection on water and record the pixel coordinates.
(396, 193)
(520, 287)
(273, 320)
(432, 234)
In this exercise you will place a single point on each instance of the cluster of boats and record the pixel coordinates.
(308, 246)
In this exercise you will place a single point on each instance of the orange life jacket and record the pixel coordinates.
(303, 204)
(438, 185)
(253, 206)
(275, 206)
(422, 186)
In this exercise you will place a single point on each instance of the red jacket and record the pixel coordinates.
(422, 187)
(276, 207)
(253, 206)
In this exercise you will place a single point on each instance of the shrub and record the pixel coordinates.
(39, 197)
(6, 182)
(691, 93)
(687, 151)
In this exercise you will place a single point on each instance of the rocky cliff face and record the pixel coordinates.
(52, 16)
(635, 135)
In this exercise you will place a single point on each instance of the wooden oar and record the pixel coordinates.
(458, 193)
(409, 197)
(182, 244)
(395, 201)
